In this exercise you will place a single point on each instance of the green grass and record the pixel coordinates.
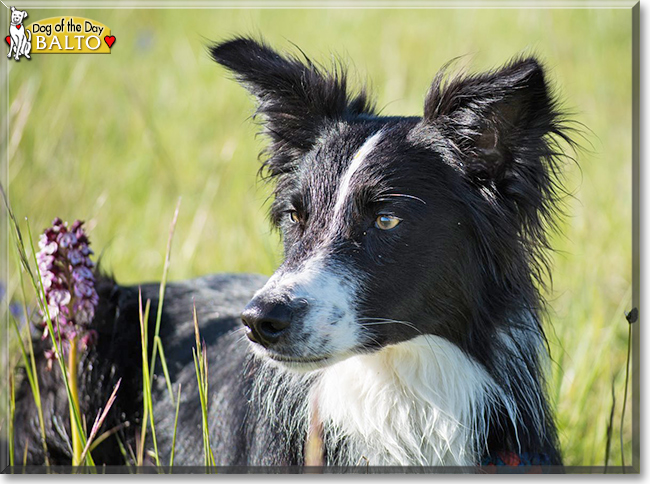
(115, 140)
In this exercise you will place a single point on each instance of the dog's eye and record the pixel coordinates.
(293, 216)
(387, 222)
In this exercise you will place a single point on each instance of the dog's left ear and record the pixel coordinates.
(25, 14)
(500, 127)
(295, 97)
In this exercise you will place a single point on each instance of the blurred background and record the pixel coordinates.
(116, 139)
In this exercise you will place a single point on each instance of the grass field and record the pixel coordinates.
(116, 139)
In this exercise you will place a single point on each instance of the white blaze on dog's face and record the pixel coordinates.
(318, 290)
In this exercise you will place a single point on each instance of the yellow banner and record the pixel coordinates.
(70, 35)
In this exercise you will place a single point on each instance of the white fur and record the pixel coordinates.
(421, 402)
(329, 328)
(357, 160)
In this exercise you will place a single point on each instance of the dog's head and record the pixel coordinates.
(397, 226)
(17, 16)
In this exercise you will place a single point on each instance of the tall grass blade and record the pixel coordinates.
(99, 421)
(30, 368)
(102, 437)
(201, 368)
(158, 344)
(142, 436)
(120, 444)
(145, 410)
(77, 445)
(178, 405)
(25, 453)
(32, 379)
(161, 298)
(610, 425)
(145, 377)
(197, 367)
(20, 244)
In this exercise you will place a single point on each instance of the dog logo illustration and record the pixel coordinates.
(19, 39)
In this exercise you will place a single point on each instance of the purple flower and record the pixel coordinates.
(45, 261)
(59, 297)
(82, 290)
(66, 240)
(82, 274)
(69, 283)
(76, 257)
(49, 248)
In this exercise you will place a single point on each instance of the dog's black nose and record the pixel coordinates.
(266, 321)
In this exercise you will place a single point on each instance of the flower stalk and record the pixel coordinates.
(70, 300)
(77, 445)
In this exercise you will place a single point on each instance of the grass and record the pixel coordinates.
(117, 139)
(200, 355)
(81, 445)
(29, 363)
(27, 256)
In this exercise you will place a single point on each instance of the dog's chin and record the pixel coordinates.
(299, 364)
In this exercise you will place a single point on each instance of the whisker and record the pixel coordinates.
(243, 337)
(380, 321)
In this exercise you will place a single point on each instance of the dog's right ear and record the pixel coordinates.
(295, 97)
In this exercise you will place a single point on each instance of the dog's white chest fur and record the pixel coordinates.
(421, 402)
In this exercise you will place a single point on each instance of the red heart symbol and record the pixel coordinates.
(110, 40)
(8, 39)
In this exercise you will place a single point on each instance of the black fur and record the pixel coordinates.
(484, 162)
(297, 99)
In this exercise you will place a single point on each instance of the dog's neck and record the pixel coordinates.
(422, 402)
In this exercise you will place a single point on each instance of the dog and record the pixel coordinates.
(404, 327)
(21, 41)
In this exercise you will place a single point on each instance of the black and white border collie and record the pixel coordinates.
(405, 321)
